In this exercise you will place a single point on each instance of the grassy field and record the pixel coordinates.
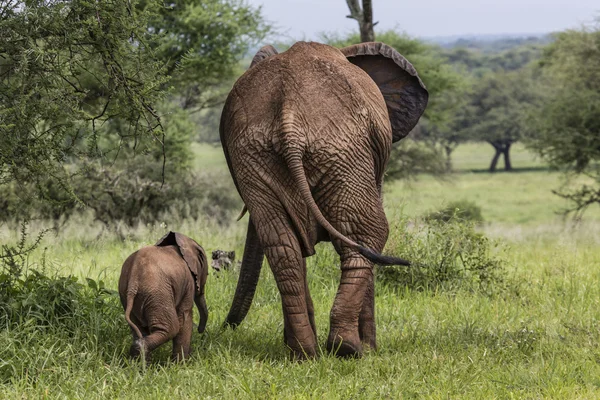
(537, 339)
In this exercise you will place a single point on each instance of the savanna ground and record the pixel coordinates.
(536, 338)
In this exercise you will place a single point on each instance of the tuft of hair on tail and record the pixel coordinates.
(381, 259)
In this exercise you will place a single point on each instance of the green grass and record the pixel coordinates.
(540, 339)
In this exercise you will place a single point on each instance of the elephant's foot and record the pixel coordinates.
(299, 352)
(179, 357)
(369, 342)
(303, 354)
(344, 346)
(138, 350)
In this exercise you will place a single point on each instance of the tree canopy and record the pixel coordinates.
(88, 87)
(566, 121)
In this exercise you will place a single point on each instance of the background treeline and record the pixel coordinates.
(101, 104)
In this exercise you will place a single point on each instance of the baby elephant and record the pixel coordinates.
(158, 287)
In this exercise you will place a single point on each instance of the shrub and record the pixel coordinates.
(445, 255)
(129, 194)
(32, 296)
(462, 210)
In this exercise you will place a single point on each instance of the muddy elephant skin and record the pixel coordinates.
(307, 135)
(158, 286)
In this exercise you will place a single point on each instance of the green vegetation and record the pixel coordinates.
(98, 99)
(108, 117)
(461, 210)
(566, 119)
(535, 335)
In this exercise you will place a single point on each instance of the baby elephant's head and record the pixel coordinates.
(222, 260)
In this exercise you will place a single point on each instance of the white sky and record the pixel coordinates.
(304, 19)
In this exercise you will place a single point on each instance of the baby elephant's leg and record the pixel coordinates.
(138, 344)
(181, 342)
(164, 326)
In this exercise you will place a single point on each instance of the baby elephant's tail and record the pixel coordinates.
(129, 305)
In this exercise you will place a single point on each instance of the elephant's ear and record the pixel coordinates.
(192, 253)
(404, 92)
(264, 52)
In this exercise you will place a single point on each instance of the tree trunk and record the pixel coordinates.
(448, 150)
(505, 151)
(364, 17)
(495, 159)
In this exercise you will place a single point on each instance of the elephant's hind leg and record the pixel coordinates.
(282, 250)
(344, 338)
(366, 318)
(309, 303)
(163, 328)
(181, 342)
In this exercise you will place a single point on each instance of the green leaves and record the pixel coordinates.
(567, 120)
(67, 68)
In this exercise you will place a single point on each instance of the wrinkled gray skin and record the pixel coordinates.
(158, 286)
(222, 260)
(307, 135)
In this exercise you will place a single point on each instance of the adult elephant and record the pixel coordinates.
(307, 135)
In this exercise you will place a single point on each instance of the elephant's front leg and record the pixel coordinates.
(366, 319)
(309, 303)
(344, 338)
(286, 263)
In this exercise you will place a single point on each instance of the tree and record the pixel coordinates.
(201, 43)
(496, 112)
(567, 120)
(88, 88)
(364, 17)
(66, 68)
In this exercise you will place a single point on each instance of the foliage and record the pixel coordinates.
(32, 296)
(479, 61)
(201, 43)
(411, 157)
(567, 118)
(130, 194)
(66, 68)
(461, 211)
(446, 256)
(496, 112)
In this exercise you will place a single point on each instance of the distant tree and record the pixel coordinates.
(567, 121)
(496, 112)
(449, 135)
(364, 17)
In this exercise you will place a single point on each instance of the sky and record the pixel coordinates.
(304, 19)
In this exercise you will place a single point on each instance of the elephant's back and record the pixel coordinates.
(152, 269)
(328, 96)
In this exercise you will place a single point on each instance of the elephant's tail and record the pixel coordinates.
(294, 163)
(129, 305)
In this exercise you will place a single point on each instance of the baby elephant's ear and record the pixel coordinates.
(403, 91)
(192, 253)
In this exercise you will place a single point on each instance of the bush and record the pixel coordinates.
(42, 315)
(46, 301)
(445, 255)
(129, 194)
(462, 210)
